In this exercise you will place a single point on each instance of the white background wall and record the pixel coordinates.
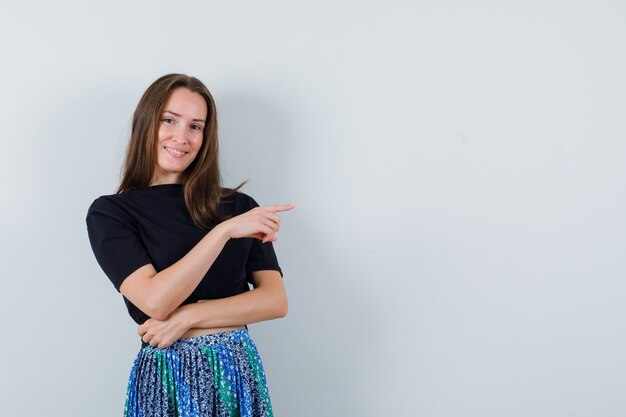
(458, 168)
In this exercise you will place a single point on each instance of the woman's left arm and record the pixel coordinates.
(267, 301)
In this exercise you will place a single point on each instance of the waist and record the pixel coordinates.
(204, 334)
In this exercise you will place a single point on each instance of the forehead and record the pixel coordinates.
(187, 104)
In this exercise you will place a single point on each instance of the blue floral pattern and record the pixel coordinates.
(216, 375)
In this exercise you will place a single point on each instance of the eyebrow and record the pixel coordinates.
(178, 115)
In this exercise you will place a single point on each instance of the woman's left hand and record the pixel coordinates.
(162, 333)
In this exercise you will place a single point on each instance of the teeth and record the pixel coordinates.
(175, 151)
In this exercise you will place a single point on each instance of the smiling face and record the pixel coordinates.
(180, 135)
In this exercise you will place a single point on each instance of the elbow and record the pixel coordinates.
(140, 290)
(156, 313)
(159, 315)
(282, 308)
(158, 309)
(150, 306)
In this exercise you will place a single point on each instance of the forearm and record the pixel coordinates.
(171, 286)
(259, 304)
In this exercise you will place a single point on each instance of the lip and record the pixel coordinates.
(173, 154)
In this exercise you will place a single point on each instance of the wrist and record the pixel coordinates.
(222, 231)
(184, 317)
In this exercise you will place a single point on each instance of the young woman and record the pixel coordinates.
(182, 249)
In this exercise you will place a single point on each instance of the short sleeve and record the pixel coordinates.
(262, 255)
(115, 240)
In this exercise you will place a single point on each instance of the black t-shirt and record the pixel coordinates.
(152, 225)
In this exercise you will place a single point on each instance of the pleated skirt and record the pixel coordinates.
(216, 375)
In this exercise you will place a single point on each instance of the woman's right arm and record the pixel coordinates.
(158, 294)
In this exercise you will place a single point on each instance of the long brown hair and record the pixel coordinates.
(202, 179)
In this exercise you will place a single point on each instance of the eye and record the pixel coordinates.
(168, 120)
(196, 127)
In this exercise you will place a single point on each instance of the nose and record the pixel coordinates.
(180, 134)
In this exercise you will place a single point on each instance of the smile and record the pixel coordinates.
(174, 152)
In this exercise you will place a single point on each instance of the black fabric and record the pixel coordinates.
(152, 225)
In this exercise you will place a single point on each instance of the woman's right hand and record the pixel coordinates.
(260, 223)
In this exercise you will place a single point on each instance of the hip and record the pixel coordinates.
(203, 332)
(217, 374)
(194, 333)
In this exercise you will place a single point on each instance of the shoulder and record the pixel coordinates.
(111, 205)
(230, 195)
(103, 202)
(238, 201)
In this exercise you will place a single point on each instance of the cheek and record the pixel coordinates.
(163, 132)
(197, 144)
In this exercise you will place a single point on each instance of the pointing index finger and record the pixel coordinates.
(278, 207)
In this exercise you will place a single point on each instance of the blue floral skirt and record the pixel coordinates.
(216, 375)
